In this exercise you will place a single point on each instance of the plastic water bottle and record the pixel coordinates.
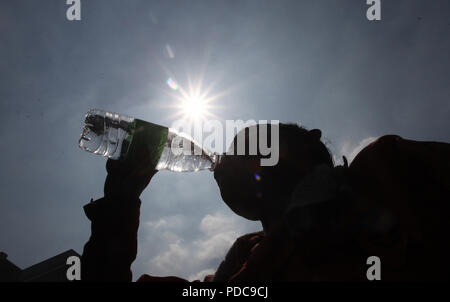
(118, 136)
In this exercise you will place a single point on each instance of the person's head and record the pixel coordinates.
(260, 192)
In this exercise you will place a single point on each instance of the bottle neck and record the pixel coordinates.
(216, 158)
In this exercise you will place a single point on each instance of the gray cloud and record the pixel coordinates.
(199, 255)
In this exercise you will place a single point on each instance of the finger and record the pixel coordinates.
(116, 167)
(145, 166)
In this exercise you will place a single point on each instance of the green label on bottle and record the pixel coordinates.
(147, 137)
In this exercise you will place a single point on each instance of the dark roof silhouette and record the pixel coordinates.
(53, 269)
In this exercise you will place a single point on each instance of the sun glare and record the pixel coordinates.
(195, 102)
(194, 107)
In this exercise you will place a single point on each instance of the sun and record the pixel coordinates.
(194, 107)
(195, 102)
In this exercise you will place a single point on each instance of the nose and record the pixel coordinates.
(223, 167)
(218, 170)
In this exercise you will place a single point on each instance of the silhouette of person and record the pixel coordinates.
(320, 222)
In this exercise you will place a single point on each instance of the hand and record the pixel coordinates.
(129, 178)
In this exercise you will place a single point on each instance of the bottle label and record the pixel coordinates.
(146, 135)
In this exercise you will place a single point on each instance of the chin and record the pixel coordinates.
(243, 206)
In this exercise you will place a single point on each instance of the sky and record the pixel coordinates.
(320, 64)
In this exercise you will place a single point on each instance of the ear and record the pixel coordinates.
(315, 134)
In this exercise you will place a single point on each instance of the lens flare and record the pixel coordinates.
(170, 51)
(172, 84)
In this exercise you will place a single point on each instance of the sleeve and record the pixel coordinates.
(112, 247)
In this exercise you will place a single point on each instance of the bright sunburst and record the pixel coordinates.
(195, 102)
(194, 107)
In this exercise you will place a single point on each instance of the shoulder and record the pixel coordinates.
(394, 149)
(242, 246)
(385, 150)
(383, 144)
(237, 255)
(249, 237)
(149, 278)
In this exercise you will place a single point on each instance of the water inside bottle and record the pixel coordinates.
(104, 133)
(182, 154)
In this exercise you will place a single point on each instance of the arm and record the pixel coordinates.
(112, 247)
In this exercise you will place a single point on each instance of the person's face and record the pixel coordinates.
(245, 186)
(240, 182)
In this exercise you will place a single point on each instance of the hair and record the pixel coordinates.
(298, 142)
(307, 142)
(303, 151)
